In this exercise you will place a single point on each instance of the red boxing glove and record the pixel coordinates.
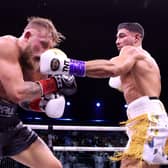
(48, 86)
(63, 84)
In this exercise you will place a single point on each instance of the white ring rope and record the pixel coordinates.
(81, 128)
(38, 127)
(77, 128)
(86, 148)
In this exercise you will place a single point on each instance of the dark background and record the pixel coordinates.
(90, 30)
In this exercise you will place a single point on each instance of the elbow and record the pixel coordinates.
(15, 96)
(110, 69)
(117, 70)
(113, 71)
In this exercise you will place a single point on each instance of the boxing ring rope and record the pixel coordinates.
(81, 128)
(77, 128)
(87, 149)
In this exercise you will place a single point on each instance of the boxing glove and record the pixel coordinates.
(115, 82)
(52, 105)
(64, 84)
(55, 107)
(55, 61)
(37, 105)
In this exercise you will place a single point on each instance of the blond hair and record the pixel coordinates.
(35, 22)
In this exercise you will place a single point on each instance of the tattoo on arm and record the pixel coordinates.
(32, 90)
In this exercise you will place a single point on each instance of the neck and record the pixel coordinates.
(21, 43)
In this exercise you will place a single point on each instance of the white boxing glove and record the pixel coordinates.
(55, 62)
(37, 105)
(115, 82)
(52, 62)
(55, 107)
(52, 105)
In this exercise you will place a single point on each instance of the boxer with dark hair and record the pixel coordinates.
(134, 72)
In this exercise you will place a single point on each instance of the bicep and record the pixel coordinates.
(16, 88)
(11, 76)
(125, 61)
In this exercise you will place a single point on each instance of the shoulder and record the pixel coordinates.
(8, 40)
(8, 46)
(147, 62)
(133, 52)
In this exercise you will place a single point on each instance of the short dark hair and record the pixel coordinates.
(132, 27)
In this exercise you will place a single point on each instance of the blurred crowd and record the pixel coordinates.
(80, 159)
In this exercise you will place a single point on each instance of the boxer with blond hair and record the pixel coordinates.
(21, 83)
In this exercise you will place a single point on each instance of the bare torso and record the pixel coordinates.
(13, 53)
(10, 41)
(142, 80)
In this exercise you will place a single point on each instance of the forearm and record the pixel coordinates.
(30, 91)
(62, 84)
(99, 69)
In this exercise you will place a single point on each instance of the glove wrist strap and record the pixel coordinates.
(48, 86)
(77, 68)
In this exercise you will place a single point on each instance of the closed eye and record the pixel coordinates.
(37, 58)
(44, 44)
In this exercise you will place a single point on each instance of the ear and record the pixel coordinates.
(137, 37)
(27, 35)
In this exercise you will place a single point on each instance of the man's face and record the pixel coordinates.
(37, 43)
(124, 38)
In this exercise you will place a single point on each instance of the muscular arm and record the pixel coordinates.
(15, 87)
(116, 66)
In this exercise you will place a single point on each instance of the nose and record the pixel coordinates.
(117, 41)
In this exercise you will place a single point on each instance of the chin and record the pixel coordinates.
(119, 49)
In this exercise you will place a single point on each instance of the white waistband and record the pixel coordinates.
(144, 105)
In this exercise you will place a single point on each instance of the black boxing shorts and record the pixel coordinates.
(14, 136)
